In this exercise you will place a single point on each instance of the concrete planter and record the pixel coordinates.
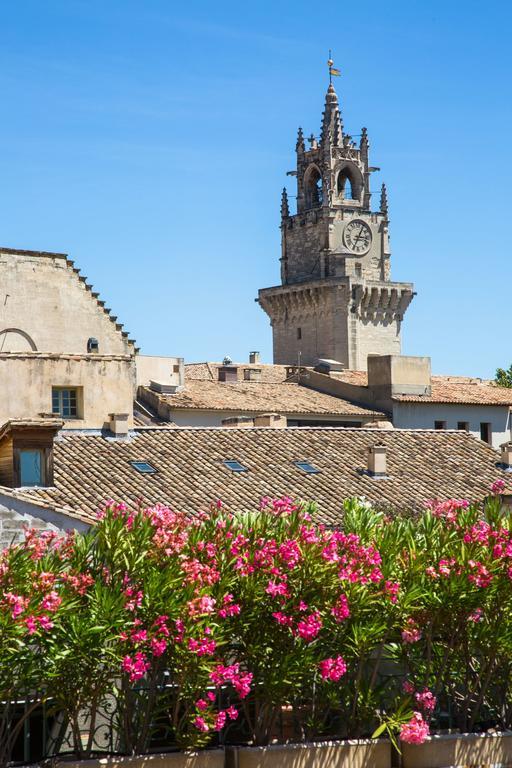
(366, 753)
(467, 750)
(209, 758)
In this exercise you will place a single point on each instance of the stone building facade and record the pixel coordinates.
(63, 352)
(336, 299)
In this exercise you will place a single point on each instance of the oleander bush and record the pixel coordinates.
(257, 627)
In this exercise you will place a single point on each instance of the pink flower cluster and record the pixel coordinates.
(340, 609)
(411, 632)
(136, 665)
(416, 731)
(332, 669)
(309, 627)
(241, 681)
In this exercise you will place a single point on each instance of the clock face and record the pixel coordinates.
(357, 236)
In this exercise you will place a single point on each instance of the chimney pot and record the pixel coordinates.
(119, 424)
(238, 422)
(377, 460)
(254, 358)
(275, 420)
(252, 374)
(506, 454)
(228, 373)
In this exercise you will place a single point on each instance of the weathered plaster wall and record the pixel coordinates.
(107, 386)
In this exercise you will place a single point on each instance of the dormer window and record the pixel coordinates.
(31, 467)
(26, 448)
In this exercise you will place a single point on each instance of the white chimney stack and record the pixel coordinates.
(119, 424)
(377, 460)
(506, 454)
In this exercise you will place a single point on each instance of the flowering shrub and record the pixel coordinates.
(218, 627)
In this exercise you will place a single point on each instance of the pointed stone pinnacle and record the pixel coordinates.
(285, 210)
(384, 200)
(300, 146)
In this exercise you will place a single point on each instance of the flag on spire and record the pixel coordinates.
(333, 72)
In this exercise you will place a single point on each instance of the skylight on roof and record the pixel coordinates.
(307, 467)
(235, 466)
(144, 467)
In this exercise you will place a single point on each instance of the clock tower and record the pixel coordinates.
(336, 299)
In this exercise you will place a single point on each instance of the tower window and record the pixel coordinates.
(346, 186)
(439, 424)
(463, 425)
(313, 185)
(299, 333)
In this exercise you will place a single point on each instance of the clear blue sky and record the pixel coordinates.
(150, 139)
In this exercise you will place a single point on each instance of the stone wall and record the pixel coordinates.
(48, 306)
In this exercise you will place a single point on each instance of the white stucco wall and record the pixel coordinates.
(423, 416)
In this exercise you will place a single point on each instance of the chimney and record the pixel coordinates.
(377, 460)
(252, 374)
(254, 358)
(506, 454)
(390, 375)
(238, 422)
(324, 365)
(119, 424)
(275, 420)
(228, 373)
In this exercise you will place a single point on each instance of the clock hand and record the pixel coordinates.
(360, 234)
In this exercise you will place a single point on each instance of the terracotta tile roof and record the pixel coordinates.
(50, 423)
(261, 397)
(464, 390)
(272, 374)
(422, 464)
(458, 389)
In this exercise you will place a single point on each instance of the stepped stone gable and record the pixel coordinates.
(336, 299)
(47, 305)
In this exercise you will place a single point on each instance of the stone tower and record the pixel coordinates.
(336, 299)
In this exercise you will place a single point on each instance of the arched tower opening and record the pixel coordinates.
(347, 186)
(313, 187)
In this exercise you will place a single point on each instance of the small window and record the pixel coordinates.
(235, 466)
(486, 432)
(299, 333)
(463, 426)
(359, 269)
(144, 467)
(307, 467)
(439, 424)
(31, 467)
(64, 402)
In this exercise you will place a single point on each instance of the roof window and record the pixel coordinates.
(235, 466)
(144, 467)
(307, 467)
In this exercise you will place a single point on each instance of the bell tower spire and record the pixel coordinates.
(336, 299)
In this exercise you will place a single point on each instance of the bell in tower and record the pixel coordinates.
(336, 299)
